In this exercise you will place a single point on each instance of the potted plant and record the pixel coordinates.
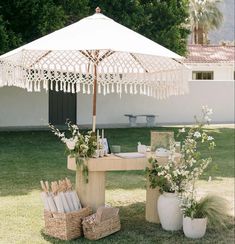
(197, 213)
(168, 179)
(78, 145)
(175, 178)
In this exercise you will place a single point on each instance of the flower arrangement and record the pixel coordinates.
(178, 176)
(78, 145)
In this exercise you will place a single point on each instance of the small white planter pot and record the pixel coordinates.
(194, 228)
(169, 212)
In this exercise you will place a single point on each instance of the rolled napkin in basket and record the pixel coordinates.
(45, 201)
(69, 200)
(57, 198)
(47, 198)
(62, 199)
(52, 204)
(73, 196)
(62, 188)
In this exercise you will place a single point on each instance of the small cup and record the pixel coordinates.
(116, 149)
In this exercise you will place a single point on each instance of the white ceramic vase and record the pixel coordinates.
(169, 211)
(194, 228)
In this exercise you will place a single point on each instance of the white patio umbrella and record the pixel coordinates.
(95, 54)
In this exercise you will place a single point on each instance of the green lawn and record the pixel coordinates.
(28, 157)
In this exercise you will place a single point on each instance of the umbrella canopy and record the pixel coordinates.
(96, 54)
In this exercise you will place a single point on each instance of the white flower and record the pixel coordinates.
(182, 130)
(171, 157)
(61, 134)
(210, 138)
(70, 143)
(75, 127)
(210, 112)
(167, 167)
(76, 139)
(207, 110)
(197, 134)
(207, 118)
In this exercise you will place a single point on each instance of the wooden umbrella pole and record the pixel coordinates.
(94, 98)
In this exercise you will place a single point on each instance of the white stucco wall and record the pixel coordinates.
(21, 108)
(218, 95)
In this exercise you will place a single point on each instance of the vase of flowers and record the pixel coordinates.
(168, 180)
(169, 211)
(79, 146)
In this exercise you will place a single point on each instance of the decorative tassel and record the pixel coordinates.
(30, 86)
(144, 89)
(78, 87)
(112, 89)
(135, 89)
(148, 92)
(51, 85)
(88, 90)
(65, 86)
(120, 89)
(107, 88)
(99, 88)
(125, 88)
(73, 87)
(83, 89)
(56, 86)
(104, 90)
(131, 89)
(45, 85)
(117, 87)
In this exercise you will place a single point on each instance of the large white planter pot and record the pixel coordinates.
(169, 211)
(194, 228)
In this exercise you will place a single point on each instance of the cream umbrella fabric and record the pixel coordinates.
(95, 54)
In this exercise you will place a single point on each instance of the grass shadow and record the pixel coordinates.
(135, 229)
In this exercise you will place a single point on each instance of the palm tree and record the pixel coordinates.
(204, 16)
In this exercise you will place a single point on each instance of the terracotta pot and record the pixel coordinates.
(169, 211)
(194, 228)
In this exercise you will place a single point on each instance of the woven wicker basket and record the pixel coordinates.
(65, 226)
(95, 231)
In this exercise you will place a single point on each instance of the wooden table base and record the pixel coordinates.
(92, 193)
